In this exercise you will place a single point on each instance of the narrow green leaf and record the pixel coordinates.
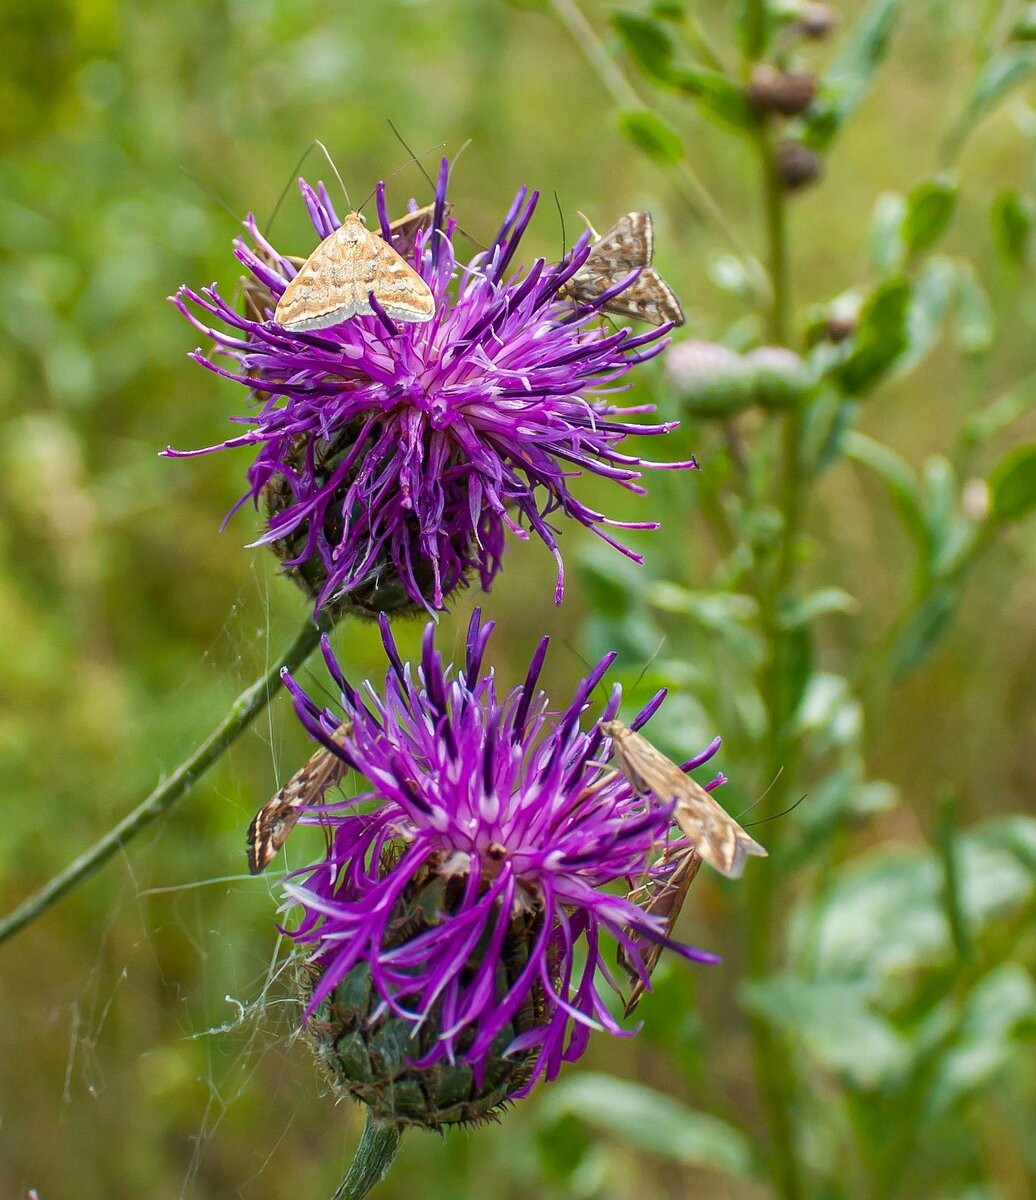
(930, 209)
(836, 1025)
(649, 133)
(1012, 217)
(717, 96)
(881, 337)
(1012, 484)
(651, 1121)
(1002, 413)
(996, 1028)
(976, 324)
(898, 477)
(888, 248)
(849, 78)
(934, 289)
(925, 628)
(999, 76)
(646, 40)
(806, 609)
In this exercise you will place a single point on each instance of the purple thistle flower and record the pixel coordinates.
(392, 458)
(462, 899)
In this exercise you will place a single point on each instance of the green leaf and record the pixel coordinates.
(1012, 217)
(999, 1018)
(717, 96)
(998, 77)
(806, 609)
(930, 209)
(1012, 484)
(652, 135)
(941, 492)
(898, 477)
(888, 249)
(925, 627)
(849, 78)
(934, 288)
(1002, 413)
(646, 40)
(836, 1025)
(650, 1121)
(976, 325)
(881, 337)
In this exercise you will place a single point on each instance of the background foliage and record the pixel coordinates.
(870, 1030)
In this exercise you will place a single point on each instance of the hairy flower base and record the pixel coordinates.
(381, 590)
(370, 1054)
(400, 456)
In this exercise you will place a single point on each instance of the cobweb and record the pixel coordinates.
(190, 998)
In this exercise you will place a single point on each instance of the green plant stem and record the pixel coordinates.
(374, 1156)
(695, 193)
(242, 712)
(775, 1075)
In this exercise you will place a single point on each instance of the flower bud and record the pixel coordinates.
(711, 380)
(375, 1056)
(789, 93)
(780, 378)
(815, 21)
(796, 164)
(381, 587)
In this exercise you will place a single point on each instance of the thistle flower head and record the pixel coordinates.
(459, 912)
(392, 458)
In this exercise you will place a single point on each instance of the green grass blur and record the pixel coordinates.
(130, 621)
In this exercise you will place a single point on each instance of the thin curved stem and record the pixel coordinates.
(696, 194)
(374, 1156)
(242, 712)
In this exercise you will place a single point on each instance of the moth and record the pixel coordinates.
(662, 895)
(713, 833)
(627, 246)
(336, 281)
(277, 818)
(403, 231)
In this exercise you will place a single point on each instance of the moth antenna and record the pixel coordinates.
(417, 162)
(341, 181)
(760, 799)
(783, 813)
(211, 193)
(561, 218)
(293, 176)
(415, 158)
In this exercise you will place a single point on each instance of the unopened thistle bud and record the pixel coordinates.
(780, 379)
(710, 379)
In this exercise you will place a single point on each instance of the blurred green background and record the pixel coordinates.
(144, 1040)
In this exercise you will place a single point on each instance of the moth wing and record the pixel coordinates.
(397, 287)
(648, 298)
(327, 289)
(272, 824)
(713, 832)
(629, 244)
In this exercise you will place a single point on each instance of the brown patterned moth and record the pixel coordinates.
(403, 232)
(335, 283)
(627, 246)
(278, 816)
(661, 895)
(713, 833)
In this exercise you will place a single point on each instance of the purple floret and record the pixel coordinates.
(508, 799)
(413, 448)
